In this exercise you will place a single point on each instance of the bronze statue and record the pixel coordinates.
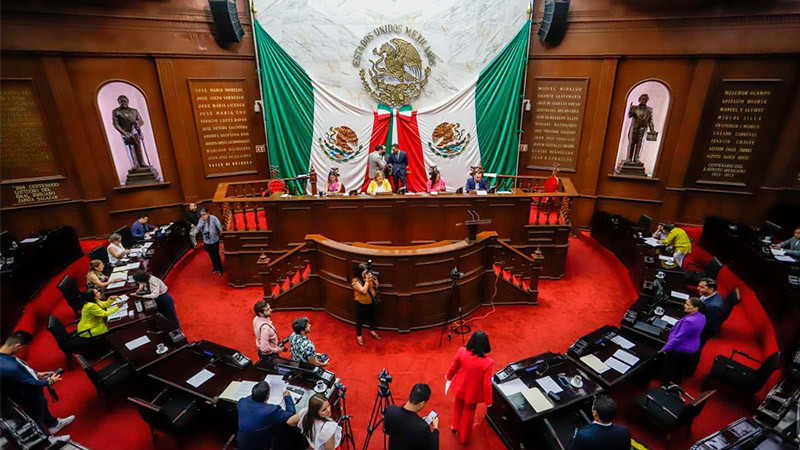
(642, 116)
(128, 122)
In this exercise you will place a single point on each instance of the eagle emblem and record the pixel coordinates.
(448, 140)
(397, 74)
(340, 144)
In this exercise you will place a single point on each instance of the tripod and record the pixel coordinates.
(454, 325)
(382, 400)
(348, 442)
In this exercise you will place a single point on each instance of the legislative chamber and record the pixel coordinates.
(497, 224)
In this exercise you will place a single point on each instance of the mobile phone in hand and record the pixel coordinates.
(431, 415)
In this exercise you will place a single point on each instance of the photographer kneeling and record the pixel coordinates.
(365, 290)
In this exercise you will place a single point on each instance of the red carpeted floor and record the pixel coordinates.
(595, 291)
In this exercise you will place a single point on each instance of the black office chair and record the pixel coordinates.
(101, 253)
(644, 224)
(127, 237)
(769, 229)
(109, 376)
(354, 192)
(730, 301)
(71, 342)
(169, 411)
(739, 376)
(72, 293)
(711, 270)
(667, 409)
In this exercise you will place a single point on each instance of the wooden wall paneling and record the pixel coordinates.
(784, 163)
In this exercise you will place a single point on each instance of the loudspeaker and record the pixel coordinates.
(554, 22)
(226, 21)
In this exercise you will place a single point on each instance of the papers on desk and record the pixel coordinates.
(549, 384)
(668, 259)
(777, 251)
(537, 399)
(121, 299)
(617, 365)
(669, 319)
(479, 192)
(679, 295)
(237, 390)
(116, 276)
(622, 342)
(131, 266)
(784, 258)
(594, 363)
(504, 192)
(146, 245)
(652, 242)
(276, 388)
(512, 387)
(136, 343)
(116, 285)
(122, 312)
(29, 240)
(626, 357)
(200, 378)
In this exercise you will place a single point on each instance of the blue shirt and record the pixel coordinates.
(17, 381)
(138, 229)
(472, 185)
(257, 420)
(210, 229)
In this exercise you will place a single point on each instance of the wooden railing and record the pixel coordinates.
(287, 271)
(517, 268)
(544, 202)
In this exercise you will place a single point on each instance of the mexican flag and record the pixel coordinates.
(308, 126)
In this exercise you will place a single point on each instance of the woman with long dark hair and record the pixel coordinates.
(317, 426)
(365, 288)
(471, 376)
(435, 181)
(153, 288)
(94, 313)
(334, 186)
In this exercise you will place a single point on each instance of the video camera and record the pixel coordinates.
(374, 273)
(384, 379)
(455, 274)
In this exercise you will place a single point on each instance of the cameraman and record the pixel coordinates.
(365, 288)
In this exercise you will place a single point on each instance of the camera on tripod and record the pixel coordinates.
(374, 273)
(384, 378)
(455, 274)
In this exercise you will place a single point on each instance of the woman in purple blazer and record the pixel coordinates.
(684, 341)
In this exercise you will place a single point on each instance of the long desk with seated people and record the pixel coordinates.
(777, 283)
(416, 283)
(256, 225)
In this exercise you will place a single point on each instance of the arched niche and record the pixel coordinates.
(660, 100)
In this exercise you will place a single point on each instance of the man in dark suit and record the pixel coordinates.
(258, 420)
(399, 161)
(602, 434)
(715, 308)
(24, 385)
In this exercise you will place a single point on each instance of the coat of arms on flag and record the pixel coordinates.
(449, 140)
(340, 144)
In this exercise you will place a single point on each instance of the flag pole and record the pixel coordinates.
(258, 75)
(524, 82)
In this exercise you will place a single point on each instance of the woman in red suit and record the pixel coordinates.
(471, 376)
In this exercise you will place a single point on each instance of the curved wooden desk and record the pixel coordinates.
(416, 287)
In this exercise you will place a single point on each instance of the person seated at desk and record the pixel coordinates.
(153, 288)
(435, 181)
(406, 429)
(683, 342)
(258, 419)
(792, 245)
(379, 184)
(471, 374)
(476, 182)
(301, 346)
(21, 383)
(316, 424)
(115, 249)
(675, 237)
(140, 227)
(334, 186)
(96, 279)
(266, 334)
(602, 434)
(94, 313)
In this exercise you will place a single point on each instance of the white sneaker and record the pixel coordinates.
(61, 424)
(55, 439)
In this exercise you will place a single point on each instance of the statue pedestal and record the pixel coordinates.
(632, 168)
(142, 175)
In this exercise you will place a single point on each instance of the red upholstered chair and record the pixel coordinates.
(276, 186)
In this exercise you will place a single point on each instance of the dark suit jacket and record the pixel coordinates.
(600, 437)
(17, 383)
(258, 420)
(715, 314)
(399, 163)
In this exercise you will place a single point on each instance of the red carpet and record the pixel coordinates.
(595, 291)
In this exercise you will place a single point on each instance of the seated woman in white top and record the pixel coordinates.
(316, 424)
(115, 249)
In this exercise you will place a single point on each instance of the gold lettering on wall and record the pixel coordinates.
(38, 192)
(736, 131)
(220, 113)
(25, 147)
(558, 107)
